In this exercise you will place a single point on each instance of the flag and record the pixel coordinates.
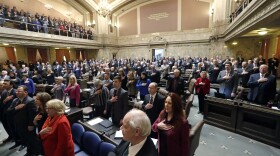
(81, 56)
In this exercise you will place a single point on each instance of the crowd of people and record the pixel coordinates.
(117, 81)
(242, 4)
(26, 20)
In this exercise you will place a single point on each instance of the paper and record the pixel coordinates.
(95, 121)
(119, 134)
(67, 110)
(276, 108)
(155, 141)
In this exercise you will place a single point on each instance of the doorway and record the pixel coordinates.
(157, 54)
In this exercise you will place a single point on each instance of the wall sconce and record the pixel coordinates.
(48, 6)
(21, 0)
(212, 11)
(237, 1)
(92, 25)
(68, 13)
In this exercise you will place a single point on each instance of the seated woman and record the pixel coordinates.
(56, 132)
(58, 89)
(73, 90)
(173, 128)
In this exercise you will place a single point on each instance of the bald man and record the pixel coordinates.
(176, 83)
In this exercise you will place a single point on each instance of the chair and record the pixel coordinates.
(90, 144)
(77, 133)
(189, 102)
(194, 137)
(163, 92)
(105, 148)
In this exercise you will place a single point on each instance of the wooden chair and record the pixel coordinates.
(194, 137)
(188, 106)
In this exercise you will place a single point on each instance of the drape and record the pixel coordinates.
(80, 54)
(60, 53)
(11, 54)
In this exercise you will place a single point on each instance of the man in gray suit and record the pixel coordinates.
(228, 80)
(118, 101)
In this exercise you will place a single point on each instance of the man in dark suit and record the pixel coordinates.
(118, 101)
(244, 74)
(154, 74)
(176, 83)
(262, 86)
(273, 64)
(136, 129)
(228, 80)
(153, 105)
(57, 69)
(6, 100)
(23, 109)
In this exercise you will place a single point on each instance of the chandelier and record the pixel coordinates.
(104, 8)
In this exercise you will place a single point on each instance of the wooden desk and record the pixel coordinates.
(74, 115)
(254, 121)
(259, 122)
(103, 132)
(220, 112)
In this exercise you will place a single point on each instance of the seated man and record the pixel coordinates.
(136, 129)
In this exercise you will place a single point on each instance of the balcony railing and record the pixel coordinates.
(238, 10)
(25, 26)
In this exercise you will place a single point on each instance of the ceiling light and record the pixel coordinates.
(234, 43)
(56, 48)
(262, 32)
(68, 47)
(48, 6)
(5, 44)
(104, 8)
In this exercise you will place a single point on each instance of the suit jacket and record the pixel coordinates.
(148, 149)
(205, 88)
(59, 141)
(179, 89)
(228, 86)
(23, 117)
(263, 92)
(4, 106)
(119, 108)
(158, 106)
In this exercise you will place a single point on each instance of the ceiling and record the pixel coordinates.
(270, 24)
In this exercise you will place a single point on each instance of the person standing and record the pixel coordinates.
(173, 128)
(262, 87)
(73, 90)
(202, 88)
(176, 83)
(56, 132)
(29, 84)
(118, 101)
(273, 64)
(23, 109)
(58, 89)
(153, 104)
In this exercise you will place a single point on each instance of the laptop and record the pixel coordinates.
(220, 95)
(106, 123)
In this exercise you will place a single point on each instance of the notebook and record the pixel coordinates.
(106, 123)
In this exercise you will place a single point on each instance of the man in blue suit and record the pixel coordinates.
(262, 86)
(228, 80)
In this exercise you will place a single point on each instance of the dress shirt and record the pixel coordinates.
(133, 150)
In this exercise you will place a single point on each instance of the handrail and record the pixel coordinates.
(240, 8)
(25, 26)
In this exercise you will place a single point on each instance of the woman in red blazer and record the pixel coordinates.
(202, 85)
(173, 128)
(56, 132)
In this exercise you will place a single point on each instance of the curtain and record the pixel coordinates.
(60, 53)
(44, 54)
(11, 54)
(80, 54)
(31, 55)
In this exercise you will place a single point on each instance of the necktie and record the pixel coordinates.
(151, 100)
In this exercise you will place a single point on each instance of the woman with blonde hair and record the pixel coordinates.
(56, 132)
(131, 85)
(73, 90)
(58, 89)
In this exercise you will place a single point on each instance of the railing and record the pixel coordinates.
(25, 26)
(238, 10)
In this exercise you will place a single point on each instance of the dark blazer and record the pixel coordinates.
(179, 89)
(148, 149)
(263, 92)
(24, 117)
(119, 108)
(158, 106)
(228, 86)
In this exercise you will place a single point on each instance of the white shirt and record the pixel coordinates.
(133, 150)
